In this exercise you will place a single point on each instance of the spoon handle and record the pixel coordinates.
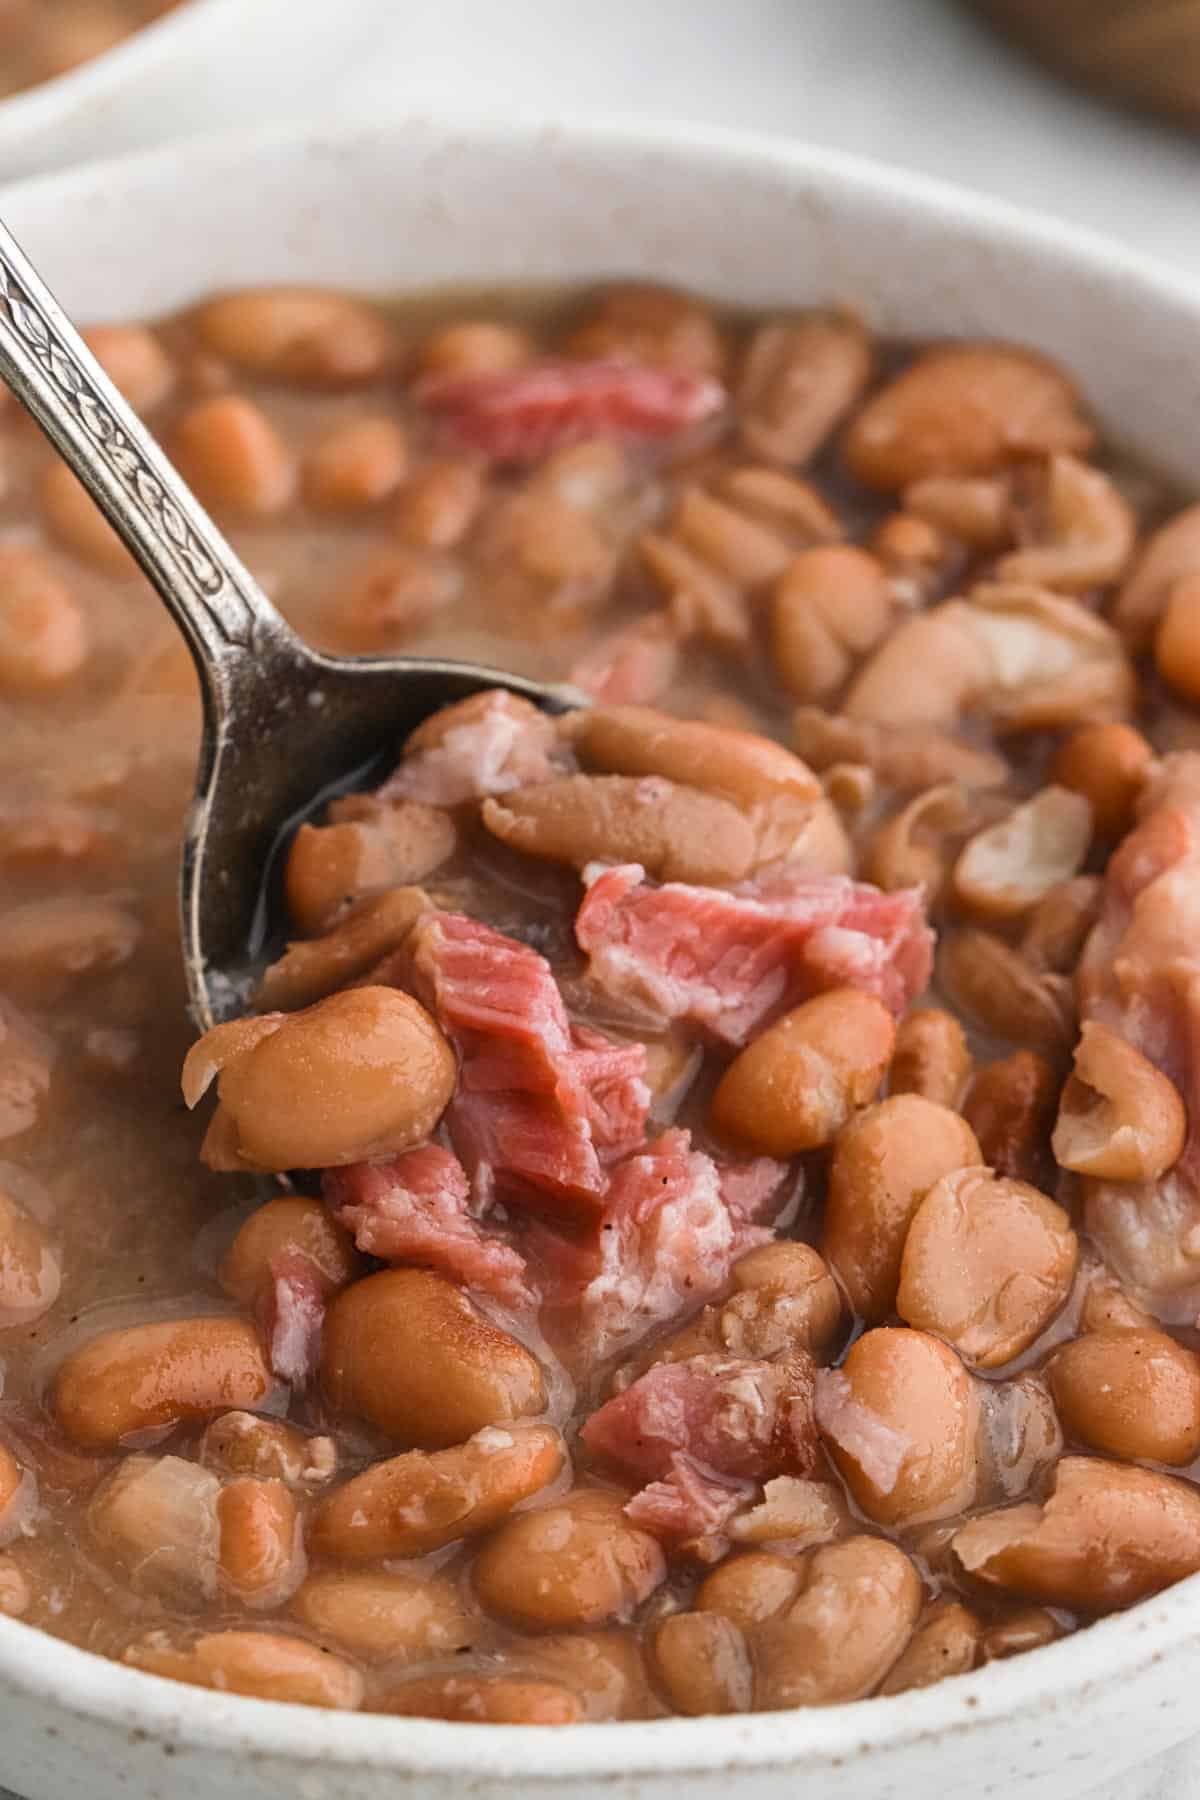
(221, 610)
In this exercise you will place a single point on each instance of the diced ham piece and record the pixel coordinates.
(732, 1416)
(521, 415)
(491, 744)
(666, 1241)
(687, 1503)
(538, 1103)
(727, 961)
(1140, 976)
(414, 1209)
(753, 1190)
(634, 667)
(291, 1316)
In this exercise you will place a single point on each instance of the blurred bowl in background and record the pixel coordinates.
(1144, 51)
(203, 65)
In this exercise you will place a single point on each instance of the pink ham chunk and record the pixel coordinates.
(487, 745)
(540, 1105)
(414, 1209)
(1140, 976)
(727, 961)
(665, 1242)
(687, 1503)
(291, 1315)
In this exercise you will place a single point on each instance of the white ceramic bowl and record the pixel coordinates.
(409, 203)
(207, 65)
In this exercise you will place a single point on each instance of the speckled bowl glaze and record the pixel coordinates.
(409, 203)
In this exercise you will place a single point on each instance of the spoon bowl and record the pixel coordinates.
(284, 725)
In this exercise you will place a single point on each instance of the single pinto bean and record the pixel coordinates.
(289, 1224)
(1061, 923)
(146, 1378)
(750, 1588)
(676, 833)
(412, 1504)
(267, 1665)
(637, 740)
(784, 1298)
(1133, 1394)
(998, 988)
(474, 347)
(910, 848)
(315, 967)
(884, 1162)
(385, 1616)
(485, 1700)
(579, 1562)
(901, 1418)
(407, 1351)
(242, 1443)
(1169, 555)
(1027, 1629)
(1120, 1118)
(830, 605)
(330, 867)
(134, 361)
(356, 464)
(607, 1670)
(1107, 764)
(155, 1517)
(799, 380)
(30, 1275)
(233, 455)
(261, 1557)
(793, 1511)
(1010, 1107)
(1107, 1537)
(946, 1642)
(837, 1640)
(73, 517)
(640, 322)
(964, 410)
(313, 336)
(438, 504)
(796, 1085)
(703, 1664)
(43, 636)
(931, 1058)
(391, 593)
(987, 1263)
(359, 1074)
(1003, 871)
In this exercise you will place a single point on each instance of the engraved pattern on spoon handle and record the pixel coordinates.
(213, 597)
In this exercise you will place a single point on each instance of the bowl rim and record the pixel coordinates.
(142, 52)
(1100, 1659)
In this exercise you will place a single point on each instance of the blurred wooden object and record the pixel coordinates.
(1146, 51)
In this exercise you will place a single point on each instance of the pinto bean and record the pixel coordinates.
(474, 347)
(987, 1263)
(1120, 1118)
(1177, 639)
(146, 1378)
(543, 563)
(267, 1665)
(1003, 871)
(701, 602)
(900, 1419)
(799, 380)
(18, 1495)
(978, 510)
(135, 362)
(291, 1223)
(155, 1518)
(783, 500)
(233, 456)
(30, 1273)
(1168, 555)
(907, 758)
(702, 1662)
(1088, 534)
(947, 1641)
(385, 1616)
(918, 557)
(1010, 1108)
(485, 1700)
(994, 985)
(606, 1669)
(1028, 1629)
(676, 833)
(579, 1562)
(932, 1057)
(1060, 924)
(330, 867)
(846, 1628)
(641, 323)
(43, 635)
(262, 1550)
(362, 938)
(415, 1503)
(408, 1351)
(311, 336)
(965, 410)
(885, 1160)
(1107, 764)
(784, 1295)
(750, 1588)
(793, 1511)
(743, 550)
(390, 594)
(243, 1443)
(439, 503)
(1130, 1394)
(798, 1083)
(1106, 1537)
(50, 945)
(910, 848)
(74, 519)
(359, 1074)
(637, 740)
(830, 605)
(358, 463)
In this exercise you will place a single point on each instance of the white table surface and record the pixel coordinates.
(914, 82)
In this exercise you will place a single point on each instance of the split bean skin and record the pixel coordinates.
(877, 638)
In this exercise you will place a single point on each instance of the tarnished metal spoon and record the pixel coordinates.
(282, 723)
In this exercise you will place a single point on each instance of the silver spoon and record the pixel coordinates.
(282, 723)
